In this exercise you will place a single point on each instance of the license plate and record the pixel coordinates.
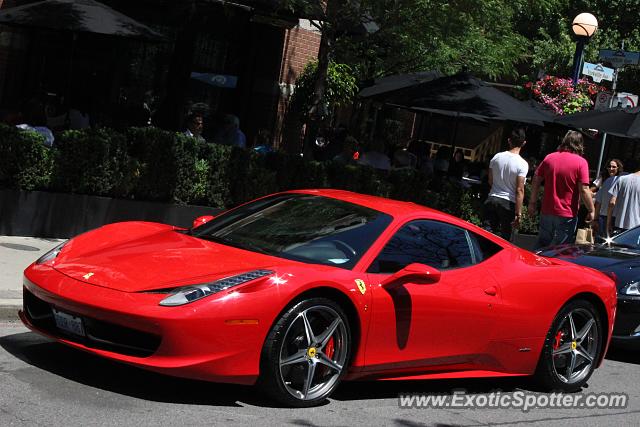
(68, 322)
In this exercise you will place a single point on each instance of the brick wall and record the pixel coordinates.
(301, 46)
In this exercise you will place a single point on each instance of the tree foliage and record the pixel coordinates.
(341, 88)
(473, 35)
(495, 39)
(553, 43)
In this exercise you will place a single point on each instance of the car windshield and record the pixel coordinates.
(302, 227)
(628, 239)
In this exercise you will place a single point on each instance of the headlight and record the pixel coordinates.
(187, 294)
(631, 289)
(53, 253)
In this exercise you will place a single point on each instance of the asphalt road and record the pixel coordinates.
(44, 383)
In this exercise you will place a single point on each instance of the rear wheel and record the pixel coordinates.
(572, 348)
(306, 353)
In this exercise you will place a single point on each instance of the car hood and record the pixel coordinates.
(137, 256)
(625, 263)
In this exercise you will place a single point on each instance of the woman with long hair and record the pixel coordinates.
(614, 169)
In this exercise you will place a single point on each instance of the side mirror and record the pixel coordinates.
(202, 220)
(414, 273)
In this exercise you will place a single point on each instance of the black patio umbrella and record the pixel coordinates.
(463, 95)
(623, 122)
(77, 16)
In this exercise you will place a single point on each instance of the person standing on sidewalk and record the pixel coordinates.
(624, 204)
(614, 170)
(565, 174)
(507, 173)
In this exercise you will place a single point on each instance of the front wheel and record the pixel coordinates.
(306, 353)
(572, 348)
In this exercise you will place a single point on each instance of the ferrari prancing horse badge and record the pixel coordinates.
(362, 287)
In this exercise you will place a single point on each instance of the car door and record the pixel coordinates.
(448, 322)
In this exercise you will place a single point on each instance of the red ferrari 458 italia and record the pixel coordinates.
(299, 290)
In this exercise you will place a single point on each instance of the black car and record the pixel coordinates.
(620, 256)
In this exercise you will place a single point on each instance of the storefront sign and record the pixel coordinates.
(619, 58)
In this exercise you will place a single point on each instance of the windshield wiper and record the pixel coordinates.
(240, 245)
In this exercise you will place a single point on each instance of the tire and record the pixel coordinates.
(306, 353)
(571, 348)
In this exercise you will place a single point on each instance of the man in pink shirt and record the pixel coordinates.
(565, 174)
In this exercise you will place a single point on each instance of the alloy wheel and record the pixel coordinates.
(575, 346)
(313, 353)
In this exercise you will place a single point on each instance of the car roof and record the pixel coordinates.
(399, 210)
(395, 208)
(402, 211)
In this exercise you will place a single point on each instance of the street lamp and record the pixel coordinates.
(583, 26)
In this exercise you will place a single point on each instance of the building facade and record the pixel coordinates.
(238, 58)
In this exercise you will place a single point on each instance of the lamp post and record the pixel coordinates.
(583, 26)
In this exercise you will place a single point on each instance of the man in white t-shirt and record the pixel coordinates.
(624, 204)
(507, 173)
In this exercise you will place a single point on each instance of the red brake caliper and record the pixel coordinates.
(329, 349)
(557, 340)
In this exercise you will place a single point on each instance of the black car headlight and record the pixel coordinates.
(186, 294)
(52, 254)
(632, 288)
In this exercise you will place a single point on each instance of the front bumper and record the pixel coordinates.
(627, 326)
(192, 341)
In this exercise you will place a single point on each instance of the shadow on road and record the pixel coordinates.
(94, 371)
(624, 354)
(359, 390)
(104, 374)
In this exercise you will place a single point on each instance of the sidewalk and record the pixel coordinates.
(16, 253)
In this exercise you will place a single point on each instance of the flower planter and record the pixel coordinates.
(61, 215)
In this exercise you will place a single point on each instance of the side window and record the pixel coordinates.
(483, 248)
(437, 244)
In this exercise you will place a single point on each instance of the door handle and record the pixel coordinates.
(491, 290)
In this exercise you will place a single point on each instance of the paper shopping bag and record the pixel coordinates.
(584, 236)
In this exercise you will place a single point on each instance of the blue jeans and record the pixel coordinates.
(556, 230)
(602, 225)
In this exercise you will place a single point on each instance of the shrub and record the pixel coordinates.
(92, 162)
(248, 176)
(410, 185)
(152, 164)
(186, 153)
(24, 160)
(529, 224)
(202, 171)
(153, 150)
(217, 193)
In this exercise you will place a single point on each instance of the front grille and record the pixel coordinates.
(99, 334)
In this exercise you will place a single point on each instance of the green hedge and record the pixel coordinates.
(152, 164)
(92, 162)
(25, 162)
